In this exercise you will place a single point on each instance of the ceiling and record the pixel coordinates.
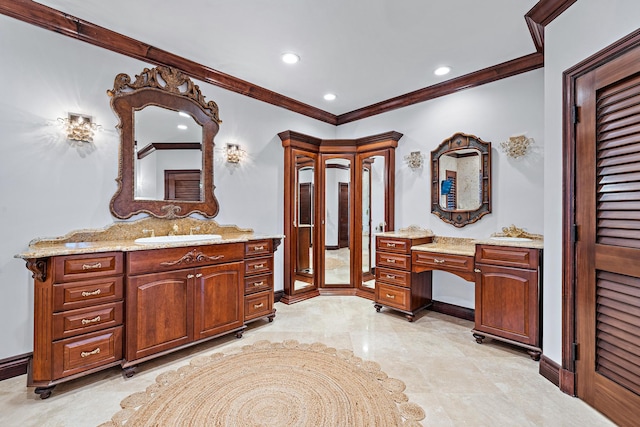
(364, 51)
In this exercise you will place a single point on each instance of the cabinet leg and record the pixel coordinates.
(239, 334)
(271, 318)
(44, 392)
(129, 371)
(378, 307)
(534, 354)
(410, 317)
(479, 338)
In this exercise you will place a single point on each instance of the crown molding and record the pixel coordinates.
(54, 20)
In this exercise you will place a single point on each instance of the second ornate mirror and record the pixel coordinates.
(166, 152)
(461, 179)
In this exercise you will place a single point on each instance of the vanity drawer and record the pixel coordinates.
(153, 261)
(80, 267)
(255, 284)
(402, 262)
(72, 295)
(394, 277)
(393, 244)
(257, 305)
(257, 248)
(81, 321)
(84, 352)
(258, 266)
(508, 256)
(440, 261)
(393, 296)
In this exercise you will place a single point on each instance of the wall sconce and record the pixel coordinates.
(517, 146)
(234, 153)
(79, 127)
(414, 159)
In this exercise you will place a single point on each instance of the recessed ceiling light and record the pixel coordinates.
(441, 71)
(182, 127)
(290, 58)
(329, 96)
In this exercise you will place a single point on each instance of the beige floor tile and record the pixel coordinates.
(454, 379)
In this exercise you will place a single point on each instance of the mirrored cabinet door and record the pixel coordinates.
(304, 223)
(338, 193)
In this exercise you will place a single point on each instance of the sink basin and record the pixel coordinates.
(177, 239)
(511, 239)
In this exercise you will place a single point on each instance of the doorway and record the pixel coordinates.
(601, 333)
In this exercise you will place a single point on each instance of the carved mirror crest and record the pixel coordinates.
(461, 179)
(166, 146)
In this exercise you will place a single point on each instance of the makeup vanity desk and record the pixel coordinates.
(507, 275)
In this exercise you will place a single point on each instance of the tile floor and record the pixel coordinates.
(455, 380)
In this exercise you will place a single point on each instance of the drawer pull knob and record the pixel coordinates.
(199, 275)
(438, 261)
(88, 321)
(391, 261)
(256, 284)
(391, 245)
(391, 296)
(90, 353)
(258, 248)
(190, 276)
(257, 266)
(390, 276)
(258, 305)
(91, 266)
(92, 293)
(477, 270)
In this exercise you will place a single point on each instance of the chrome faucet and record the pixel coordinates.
(192, 229)
(151, 230)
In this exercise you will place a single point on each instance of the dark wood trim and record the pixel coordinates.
(153, 146)
(14, 366)
(70, 26)
(453, 310)
(491, 74)
(569, 309)
(541, 15)
(550, 370)
(54, 20)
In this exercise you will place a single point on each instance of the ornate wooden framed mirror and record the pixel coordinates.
(166, 146)
(461, 179)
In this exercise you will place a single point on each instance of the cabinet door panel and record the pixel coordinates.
(159, 308)
(219, 299)
(507, 303)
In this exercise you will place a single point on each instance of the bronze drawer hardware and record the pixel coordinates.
(90, 353)
(88, 321)
(92, 293)
(91, 266)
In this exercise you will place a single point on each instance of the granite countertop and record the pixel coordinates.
(465, 246)
(408, 233)
(449, 245)
(121, 237)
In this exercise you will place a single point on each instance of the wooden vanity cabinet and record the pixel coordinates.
(258, 280)
(78, 317)
(199, 295)
(397, 287)
(508, 296)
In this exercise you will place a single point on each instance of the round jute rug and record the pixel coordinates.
(273, 384)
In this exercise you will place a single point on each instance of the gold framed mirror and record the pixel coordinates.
(166, 146)
(461, 179)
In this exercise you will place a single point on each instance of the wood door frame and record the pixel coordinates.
(570, 76)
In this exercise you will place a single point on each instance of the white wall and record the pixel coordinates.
(50, 187)
(492, 112)
(582, 30)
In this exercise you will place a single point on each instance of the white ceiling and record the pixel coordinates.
(364, 51)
